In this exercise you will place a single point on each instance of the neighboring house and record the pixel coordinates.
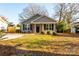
(38, 24)
(14, 28)
(77, 27)
(3, 23)
(11, 28)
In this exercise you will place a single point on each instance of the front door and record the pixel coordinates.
(37, 28)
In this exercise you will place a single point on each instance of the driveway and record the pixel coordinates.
(12, 36)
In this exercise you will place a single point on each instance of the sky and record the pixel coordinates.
(12, 10)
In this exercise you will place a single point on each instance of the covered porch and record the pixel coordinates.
(38, 28)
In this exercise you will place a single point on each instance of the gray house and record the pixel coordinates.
(38, 24)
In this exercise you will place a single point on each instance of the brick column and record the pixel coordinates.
(42, 27)
(33, 28)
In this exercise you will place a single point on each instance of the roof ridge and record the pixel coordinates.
(31, 17)
(37, 18)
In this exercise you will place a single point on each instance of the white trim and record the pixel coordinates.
(35, 28)
(54, 28)
(43, 22)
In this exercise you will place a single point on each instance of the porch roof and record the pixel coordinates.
(39, 19)
(44, 19)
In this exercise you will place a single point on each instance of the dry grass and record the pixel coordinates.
(52, 45)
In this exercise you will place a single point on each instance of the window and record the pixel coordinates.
(30, 26)
(48, 26)
(26, 27)
(23, 26)
(44, 26)
(52, 26)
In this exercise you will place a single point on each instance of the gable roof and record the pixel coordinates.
(3, 19)
(44, 19)
(31, 18)
(39, 18)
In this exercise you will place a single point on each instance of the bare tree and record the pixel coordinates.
(60, 11)
(31, 10)
(72, 12)
(67, 11)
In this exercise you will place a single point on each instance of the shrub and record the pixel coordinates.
(48, 32)
(42, 32)
(62, 26)
(2, 33)
(54, 33)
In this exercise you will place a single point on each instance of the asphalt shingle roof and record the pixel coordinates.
(41, 19)
(31, 19)
(44, 19)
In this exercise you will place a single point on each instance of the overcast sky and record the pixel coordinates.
(12, 10)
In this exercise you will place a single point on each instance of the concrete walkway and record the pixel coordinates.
(12, 36)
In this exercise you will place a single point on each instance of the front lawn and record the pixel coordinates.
(43, 45)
